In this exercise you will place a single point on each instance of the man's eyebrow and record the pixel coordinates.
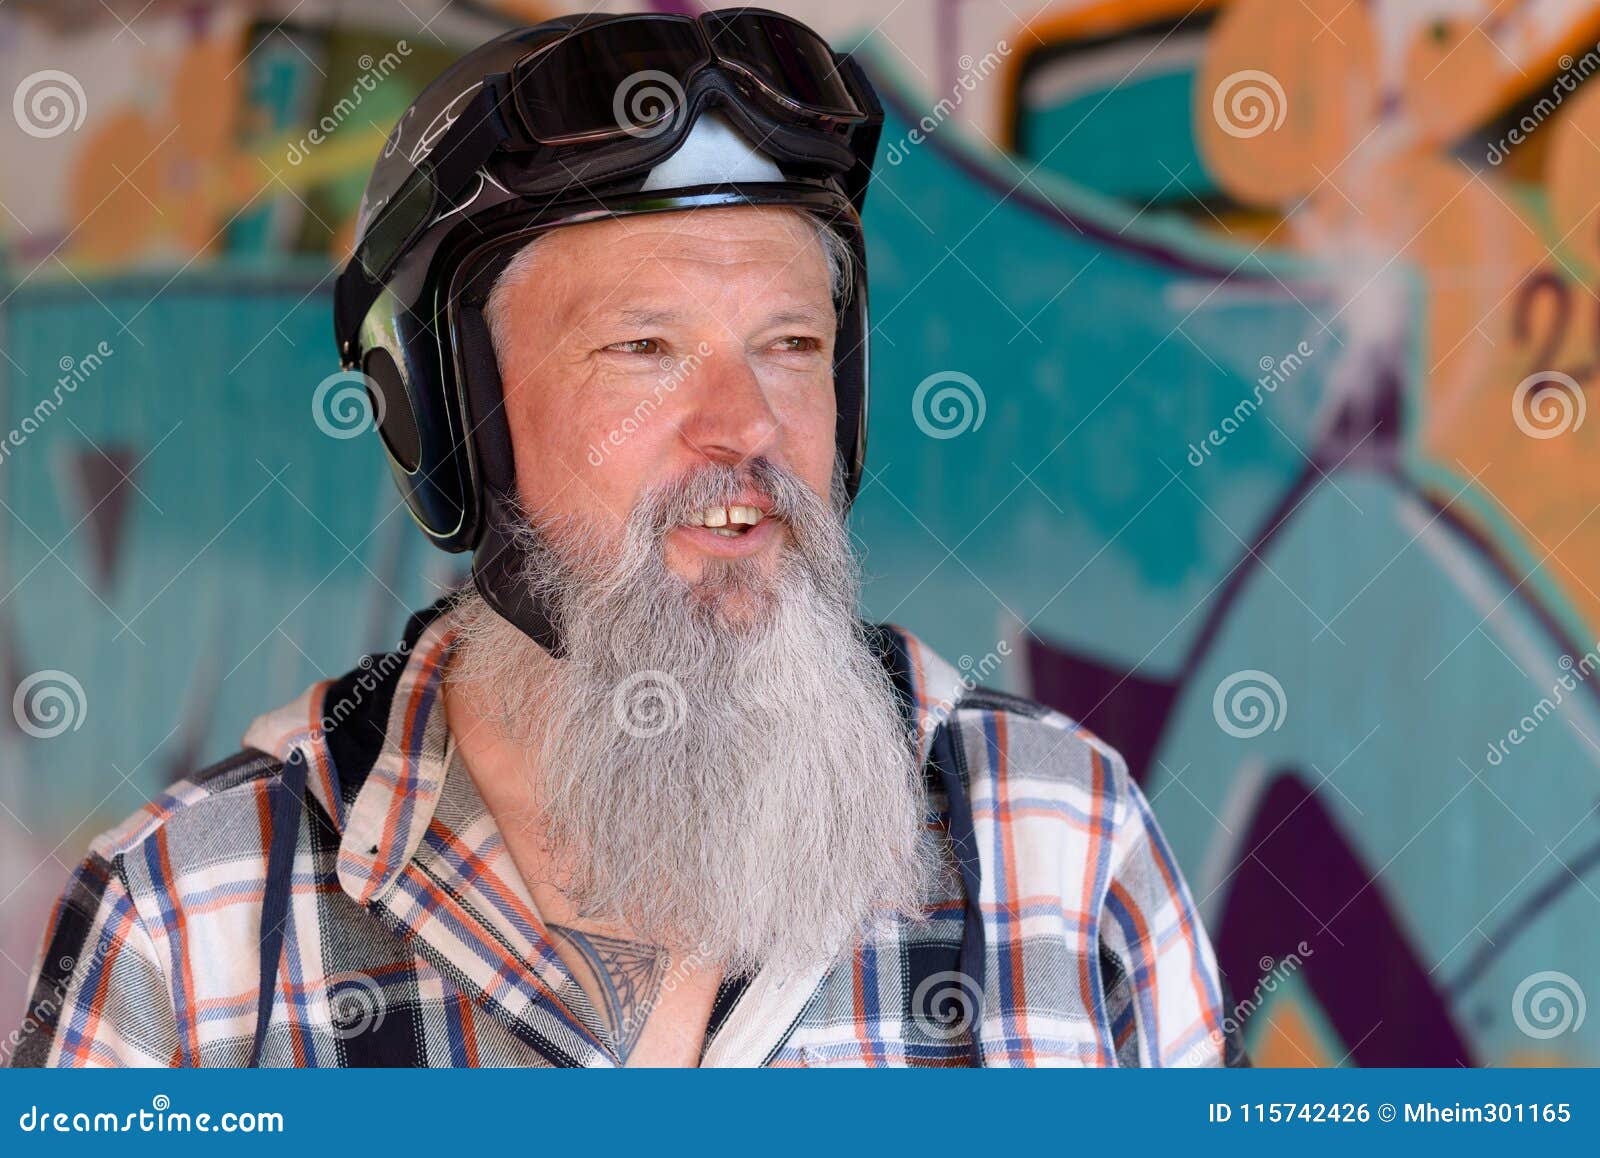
(802, 314)
(638, 317)
(632, 316)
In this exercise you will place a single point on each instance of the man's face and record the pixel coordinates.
(638, 350)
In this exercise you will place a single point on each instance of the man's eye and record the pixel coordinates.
(796, 343)
(650, 346)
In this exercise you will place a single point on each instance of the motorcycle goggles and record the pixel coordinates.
(628, 76)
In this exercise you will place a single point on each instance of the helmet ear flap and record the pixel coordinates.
(850, 394)
(486, 432)
(498, 558)
(850, 384)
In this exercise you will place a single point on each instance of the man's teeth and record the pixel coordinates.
(723, 520)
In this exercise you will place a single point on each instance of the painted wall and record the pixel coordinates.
(1230, 372)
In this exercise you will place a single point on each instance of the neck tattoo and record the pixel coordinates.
(628, 976)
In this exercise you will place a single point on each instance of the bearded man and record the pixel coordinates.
(646, 792)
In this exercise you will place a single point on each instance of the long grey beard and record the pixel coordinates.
(722, 767)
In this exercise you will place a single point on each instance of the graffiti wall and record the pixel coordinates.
(1230, 381)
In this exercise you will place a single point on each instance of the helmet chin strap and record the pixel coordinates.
(497, 572)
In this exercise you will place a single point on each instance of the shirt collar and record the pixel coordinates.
(298, 724)
(396, 803)
(936, 689)
(927, 688)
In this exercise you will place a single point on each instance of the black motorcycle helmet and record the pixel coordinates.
(560, 123)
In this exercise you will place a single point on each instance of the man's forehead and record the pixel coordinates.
(724, 223)
(637, 269)
(780, 310)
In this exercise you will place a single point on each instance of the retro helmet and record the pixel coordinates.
(571, 120)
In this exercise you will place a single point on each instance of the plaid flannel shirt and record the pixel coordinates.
(411, 939)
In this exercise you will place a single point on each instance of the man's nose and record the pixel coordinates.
(729, 418)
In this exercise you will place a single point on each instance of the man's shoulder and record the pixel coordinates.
(215, 805)
(1040, 740)
(1006, 734)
